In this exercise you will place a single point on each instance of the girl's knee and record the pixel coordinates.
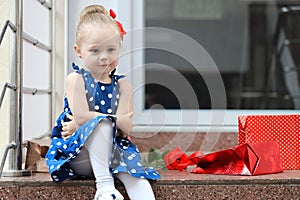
(105, 125)
(102, 132)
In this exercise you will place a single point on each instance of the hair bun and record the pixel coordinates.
(93, 9)
(96, 15)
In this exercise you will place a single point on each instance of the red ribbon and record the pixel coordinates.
(122, 31)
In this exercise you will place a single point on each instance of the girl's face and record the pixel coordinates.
(99, 49)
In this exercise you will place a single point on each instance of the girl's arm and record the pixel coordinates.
(75, 92)
(124, 111)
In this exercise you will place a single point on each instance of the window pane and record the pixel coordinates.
(252, 43)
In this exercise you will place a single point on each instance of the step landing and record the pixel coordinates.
(172, 185)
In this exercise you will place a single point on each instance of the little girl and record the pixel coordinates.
(99, 103)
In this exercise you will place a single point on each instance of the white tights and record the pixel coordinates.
(93, 161)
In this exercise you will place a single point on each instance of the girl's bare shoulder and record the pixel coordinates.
(72, 77)
(74, 80)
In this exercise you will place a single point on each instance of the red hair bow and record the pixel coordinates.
(113, 15)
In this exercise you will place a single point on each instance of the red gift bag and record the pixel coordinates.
(285, 129)
(247, 159)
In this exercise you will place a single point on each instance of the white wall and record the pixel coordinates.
(36, 67)
(36, 113)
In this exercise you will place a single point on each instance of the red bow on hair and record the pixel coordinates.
(113, 15)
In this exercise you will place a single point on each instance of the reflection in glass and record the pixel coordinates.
(253, 44)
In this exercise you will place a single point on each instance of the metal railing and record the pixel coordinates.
(16, 134)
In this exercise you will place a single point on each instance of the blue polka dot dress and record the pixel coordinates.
(102, 98)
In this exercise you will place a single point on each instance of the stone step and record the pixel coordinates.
(172, 185)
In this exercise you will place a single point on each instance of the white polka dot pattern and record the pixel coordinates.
(101, 98)
(285, 129)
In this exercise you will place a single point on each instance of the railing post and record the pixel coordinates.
(19, 83)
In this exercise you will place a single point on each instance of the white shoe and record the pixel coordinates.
(108, 194)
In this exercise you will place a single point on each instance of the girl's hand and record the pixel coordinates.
(125, 117)
(123, 131)
(124, 122)
(68, 127)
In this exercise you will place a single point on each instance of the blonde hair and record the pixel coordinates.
(96, 15)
